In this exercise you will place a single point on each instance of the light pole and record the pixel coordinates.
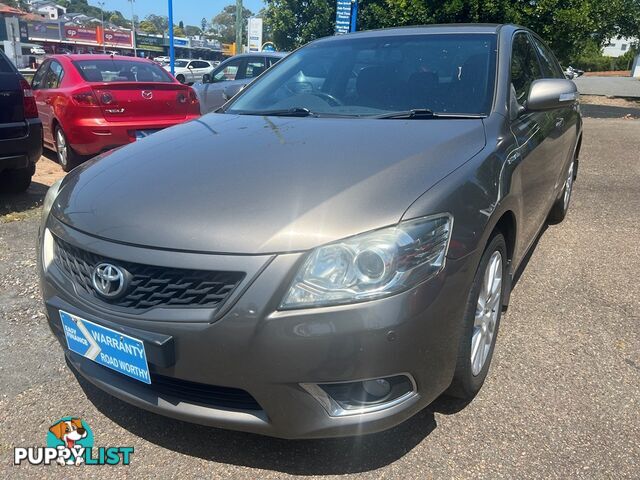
(133, 28)
(104, 47)
(172, 55)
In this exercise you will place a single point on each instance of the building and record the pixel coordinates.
(48, 10)
(616, 47)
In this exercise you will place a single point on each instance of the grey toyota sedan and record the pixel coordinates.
(329, 252)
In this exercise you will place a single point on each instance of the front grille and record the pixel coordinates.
(200, 393)
(149, 286)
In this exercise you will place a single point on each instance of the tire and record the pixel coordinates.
(470, 372)
(180, 78)
(67, 157)
(561, 206)
(18, 180)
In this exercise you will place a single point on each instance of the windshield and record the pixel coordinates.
(181, 63)
(444, 73)
(121, 71)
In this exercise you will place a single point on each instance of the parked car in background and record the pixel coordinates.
(231, 76)
(37, 50)
(572, 73)
(345, 254)
(20, 129)
(161, 59)
(92, 103)
(190, 71)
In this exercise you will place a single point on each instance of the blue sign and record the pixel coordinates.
(343, 16)
(181, 42)
(109, 348)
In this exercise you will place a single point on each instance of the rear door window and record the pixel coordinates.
(200, 64)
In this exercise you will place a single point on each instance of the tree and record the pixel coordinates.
(20, 4)
(160, 24)
(148, 27)
(118, 19)
(177, 31)
(203, 24)
(224, 24)
(294, 23)
(567, 25)
(192, 31)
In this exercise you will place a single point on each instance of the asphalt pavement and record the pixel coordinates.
(627, 87)
(562, 399)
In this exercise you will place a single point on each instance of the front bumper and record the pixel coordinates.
(252, 346)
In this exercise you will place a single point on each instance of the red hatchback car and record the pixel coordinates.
(89, 104)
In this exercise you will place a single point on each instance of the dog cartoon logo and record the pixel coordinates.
(70, 433)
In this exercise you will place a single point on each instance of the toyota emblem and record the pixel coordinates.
(108, 280)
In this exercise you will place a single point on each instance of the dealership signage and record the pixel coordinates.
(254, 33)
(180, 42)
(43, 30)
(149, 42)
(343, 16)
(81, 34)
(117, 38)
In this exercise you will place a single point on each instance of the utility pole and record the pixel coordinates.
(133, 28)
(104, 47)
(238, 26)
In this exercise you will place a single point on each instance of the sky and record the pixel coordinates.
(189, 11)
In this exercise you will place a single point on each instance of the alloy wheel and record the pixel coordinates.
(61, 148)
(487, 310)
(568, 186)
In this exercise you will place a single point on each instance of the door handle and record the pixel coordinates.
(559, 122)
(48, 101)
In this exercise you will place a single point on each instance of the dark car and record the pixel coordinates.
(333, 250)
(20, 129)
(231, 76)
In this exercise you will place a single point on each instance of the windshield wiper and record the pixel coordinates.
(288, 112)
(424, 113)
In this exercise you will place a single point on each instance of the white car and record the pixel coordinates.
(37, 51)
(190, 71)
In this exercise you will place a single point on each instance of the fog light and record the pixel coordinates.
(377, 388)
(364, 396)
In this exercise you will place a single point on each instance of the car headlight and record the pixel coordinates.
(371, 265)
(49, 198)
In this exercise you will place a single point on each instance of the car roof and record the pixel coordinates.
(261, 54)
(444, 28)
(96, 56)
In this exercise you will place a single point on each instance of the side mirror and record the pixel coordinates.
(550, 93)
(206, 78)
(231, 91)
(190, 67)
